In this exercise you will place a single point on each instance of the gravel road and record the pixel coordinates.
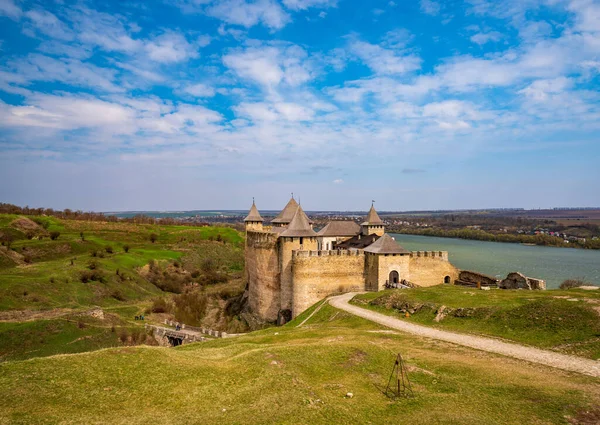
(530, 354)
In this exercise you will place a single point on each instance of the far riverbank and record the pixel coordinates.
(480, 235)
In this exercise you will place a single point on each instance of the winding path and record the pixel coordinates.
(530, 354)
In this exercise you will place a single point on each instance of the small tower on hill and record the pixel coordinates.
(373, 224)
(254, 222)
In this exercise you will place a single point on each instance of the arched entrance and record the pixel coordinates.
(447, 279)
(394, 278)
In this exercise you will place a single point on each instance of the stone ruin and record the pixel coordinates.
(476, 280)
(516, 280)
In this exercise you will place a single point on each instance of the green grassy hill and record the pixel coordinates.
(51, 270)
(293, 375)
(566, 321)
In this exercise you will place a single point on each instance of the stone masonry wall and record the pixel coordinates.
(286, 248)
(317, 274)
(389, 263)
(428, 268)
(262, 274)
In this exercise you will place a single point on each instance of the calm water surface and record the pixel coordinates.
(498, 259)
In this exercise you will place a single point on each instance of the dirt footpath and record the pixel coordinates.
(533, 355)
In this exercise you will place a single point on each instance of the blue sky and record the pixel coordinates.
(199, 104)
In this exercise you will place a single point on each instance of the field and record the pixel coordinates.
(565, 321)
(47, 284)
(293, 375)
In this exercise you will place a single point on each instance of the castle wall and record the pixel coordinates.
(286, 246)
(262, 274)
(429, 268)
(317, 274)
(388, 263)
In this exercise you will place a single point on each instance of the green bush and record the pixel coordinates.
(160, 305)
(54, 235)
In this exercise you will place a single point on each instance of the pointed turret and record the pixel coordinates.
(253, 220)
(286, 215)
(373, 224)
(299, 226)
(254, 215)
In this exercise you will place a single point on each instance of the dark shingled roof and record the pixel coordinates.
(386, 245)
(340, 228)
(253, 215)
(373, 217)
(299, 226)
(286, 215)
(358, 242)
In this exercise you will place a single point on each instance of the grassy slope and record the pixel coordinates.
(561, 320)
(290, 375)
(51, 282)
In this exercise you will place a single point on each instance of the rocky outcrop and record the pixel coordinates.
(516, 280)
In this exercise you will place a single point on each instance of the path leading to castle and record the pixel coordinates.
(530, 354)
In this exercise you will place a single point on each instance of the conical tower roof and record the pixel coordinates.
(373, 217)
(386, 245)
(286, 215)
(253, 215)
(299, 226)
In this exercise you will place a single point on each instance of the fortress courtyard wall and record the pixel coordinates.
(262, 274)
(429, 268)
(317, 274)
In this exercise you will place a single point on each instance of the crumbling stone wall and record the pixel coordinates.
(474, 279)
(262, 274)
(516, 280)
(317, 274)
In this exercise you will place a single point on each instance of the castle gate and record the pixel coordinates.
(394, 278)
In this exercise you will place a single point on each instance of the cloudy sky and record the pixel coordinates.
(201, 104)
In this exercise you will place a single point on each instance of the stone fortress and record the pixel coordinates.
(290, 266)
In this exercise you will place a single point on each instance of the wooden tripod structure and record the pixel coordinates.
(400, 386)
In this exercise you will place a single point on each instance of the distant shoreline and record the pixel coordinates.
(527, 240)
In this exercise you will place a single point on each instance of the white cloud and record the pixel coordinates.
(69, 112)
(199, 90)
(385, 61)
(69, 71)
(250, 13)
(270, 65)
(10, 9)
(50, 25)
(170, 47)
(540, 90)
(277, 111)
(430, 7)
(338, 181)
(485, 37)
(306, 4)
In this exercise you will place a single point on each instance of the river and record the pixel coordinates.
(554, 265)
